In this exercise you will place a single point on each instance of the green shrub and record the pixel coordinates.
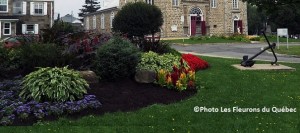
(116, 59)
(10, 60)
(154, 62)
(138, 19)
(255, 38)
(53, 84)
(43, 55)
(193, 38)
(157, 47)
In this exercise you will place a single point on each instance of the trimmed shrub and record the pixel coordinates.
(116, 59)
(154, 62)
(157, 47)
(195, 62)
(43, 55)
(10, 60)
(138, 19)
(53, 84)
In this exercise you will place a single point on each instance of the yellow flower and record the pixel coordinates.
(192, 75)
(182, 76)
(161, 71)
(169, 79)
(178, 84)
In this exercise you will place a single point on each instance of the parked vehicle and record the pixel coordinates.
(15, 41)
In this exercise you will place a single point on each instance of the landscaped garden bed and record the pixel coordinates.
(125, 95)
(43, 92)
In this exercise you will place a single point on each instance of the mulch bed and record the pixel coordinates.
(125, 95)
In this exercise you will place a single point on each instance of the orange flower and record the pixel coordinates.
(182, 76)
(169, 80)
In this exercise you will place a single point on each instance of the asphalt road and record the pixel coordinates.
(236, 51)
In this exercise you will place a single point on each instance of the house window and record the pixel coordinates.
(30, 28)
(112, 17)
(17, 8)
(94, 22)
(102, 21)
(235, 4)
(3, 5)
(87, 23)
(175, 2)
(150, 2)
(7, 29)
(213, 4)
(39, 8)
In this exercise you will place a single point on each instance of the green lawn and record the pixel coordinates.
(221, 86)
(282, 40)
(195, 41)
(292, 50)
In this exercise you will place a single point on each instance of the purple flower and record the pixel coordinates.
(23, 109)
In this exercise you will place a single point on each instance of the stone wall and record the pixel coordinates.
(219, 20)
(107, 16)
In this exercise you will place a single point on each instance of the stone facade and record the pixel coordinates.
(195, 17)
(24, 15)
(107, 15)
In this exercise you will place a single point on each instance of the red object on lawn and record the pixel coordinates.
(195, 62)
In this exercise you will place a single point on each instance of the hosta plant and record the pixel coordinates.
(155, 62)
(53, 84)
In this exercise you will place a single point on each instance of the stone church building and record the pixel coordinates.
(182, 17)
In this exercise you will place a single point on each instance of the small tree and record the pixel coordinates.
(89, 7)
(138, 19)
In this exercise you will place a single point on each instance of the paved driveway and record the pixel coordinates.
(234, 51)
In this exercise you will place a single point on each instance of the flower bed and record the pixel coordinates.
(195, 62)
(13, 107)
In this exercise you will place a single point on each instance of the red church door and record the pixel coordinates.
(193, 25)
(197, 26)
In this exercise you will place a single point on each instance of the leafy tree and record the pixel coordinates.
(272, 5)
(138, 19)
(256, 20)
(280, 13)
(288, 16)
(54, 34)
(89, 7)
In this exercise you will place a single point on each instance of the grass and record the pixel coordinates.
(282, 40)
(222, 40)
(293, 50)
(195, 41)
(221, 86)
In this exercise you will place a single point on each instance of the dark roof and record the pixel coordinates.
(9, 17)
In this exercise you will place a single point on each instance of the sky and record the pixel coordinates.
(64, 7)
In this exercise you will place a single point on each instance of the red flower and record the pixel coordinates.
(195, 62)
(191, 84)
(174, 77)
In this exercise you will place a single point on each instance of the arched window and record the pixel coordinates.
(112, 16)
(102, 21)
(94, 22)
(196, 10)
(87, 23)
